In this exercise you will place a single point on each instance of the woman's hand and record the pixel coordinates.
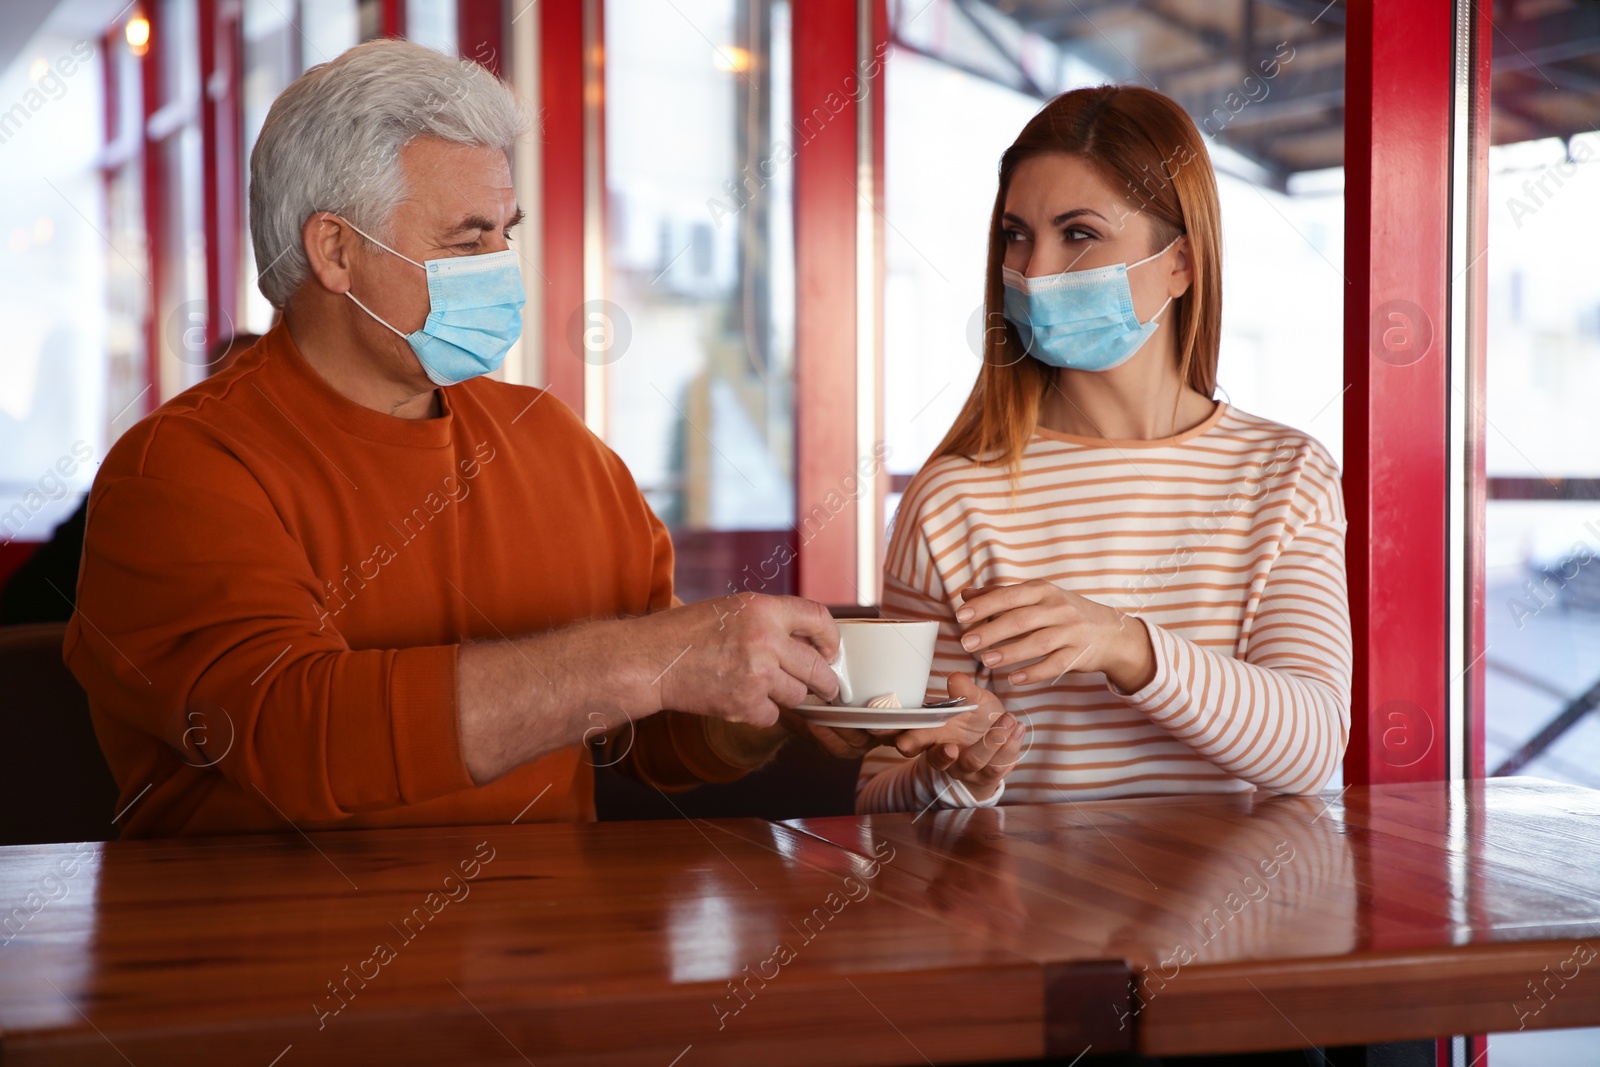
(1038, 631)
(977, 748)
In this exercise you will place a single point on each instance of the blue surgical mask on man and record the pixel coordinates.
(1079, 319)
(474, 313)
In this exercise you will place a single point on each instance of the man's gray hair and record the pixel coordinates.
(332, 142)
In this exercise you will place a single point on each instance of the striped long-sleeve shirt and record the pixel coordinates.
(1227, 541)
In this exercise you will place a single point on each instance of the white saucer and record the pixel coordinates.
(879, 718)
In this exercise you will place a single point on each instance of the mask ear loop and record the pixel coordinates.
(413, 262)
(1146, 259)
(1142, 262)
(374, 317)
(387, 249)
(1157, 315)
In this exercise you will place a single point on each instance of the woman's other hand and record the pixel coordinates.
(1034, 632)
(977, 748)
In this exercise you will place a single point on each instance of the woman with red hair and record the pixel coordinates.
(1142, 588)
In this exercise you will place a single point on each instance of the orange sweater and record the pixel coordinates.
(275, 581)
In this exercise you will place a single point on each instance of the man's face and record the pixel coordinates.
(459, 202)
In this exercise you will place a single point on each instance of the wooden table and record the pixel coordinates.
(598, 944)
(1254, 923)
(945, 937)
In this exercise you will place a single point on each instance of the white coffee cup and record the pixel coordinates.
(879, 658)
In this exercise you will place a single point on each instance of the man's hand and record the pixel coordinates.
(738, 659)
(977, 748)
(743, 658)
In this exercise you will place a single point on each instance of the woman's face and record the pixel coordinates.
(1060, 215)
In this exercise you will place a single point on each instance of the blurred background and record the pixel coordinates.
(125, 131)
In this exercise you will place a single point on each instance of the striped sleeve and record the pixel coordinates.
(1278, 716)
(914, 589)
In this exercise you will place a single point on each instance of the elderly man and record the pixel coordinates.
(350, 582)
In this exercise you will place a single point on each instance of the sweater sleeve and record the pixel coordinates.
(1278, 714)
(199, 623)
(914, 589)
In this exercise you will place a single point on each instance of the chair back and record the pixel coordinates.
(54, 781)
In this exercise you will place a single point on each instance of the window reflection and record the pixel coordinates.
(702, 936)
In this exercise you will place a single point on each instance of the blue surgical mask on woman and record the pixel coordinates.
(474, 313)
(1079, 319)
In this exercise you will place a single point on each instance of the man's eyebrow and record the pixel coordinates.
(482, 223)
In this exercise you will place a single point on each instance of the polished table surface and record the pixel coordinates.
(1166, 924)
(1272, 922)
(605, 943)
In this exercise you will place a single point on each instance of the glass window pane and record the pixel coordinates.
(281, 42)
(699, 266)
(327, 28)
(54, 402)
(271, 62)
(433, 23)
(1542, 664)
(127, 259)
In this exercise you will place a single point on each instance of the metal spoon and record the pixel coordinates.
(956, 702)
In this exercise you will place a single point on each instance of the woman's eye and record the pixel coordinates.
(1011, 236)
(1076, 233)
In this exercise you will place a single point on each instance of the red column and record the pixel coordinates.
(479, 33)
(1397, 197)
(391, 18)
(561, 112)
(221, 39)
(824, 132)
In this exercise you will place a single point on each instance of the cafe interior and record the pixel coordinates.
(756, 272)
